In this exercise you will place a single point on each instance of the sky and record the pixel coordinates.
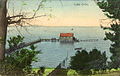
(60, 13)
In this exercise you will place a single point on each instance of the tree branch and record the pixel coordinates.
(20, 19)
(15, 16)
(22, 45)
(34, 17)
(39, 6)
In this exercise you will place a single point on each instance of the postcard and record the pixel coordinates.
(59, 37)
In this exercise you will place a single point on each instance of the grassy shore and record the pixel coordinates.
(112, 72)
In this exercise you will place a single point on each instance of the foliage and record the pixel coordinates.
(21, 59)
(112, 9)
(14, 41)
(42, 69)
(80, 60)
(97, 60)
(83, 61)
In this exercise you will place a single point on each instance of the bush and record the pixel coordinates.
(21, 59)
(83, 61)
(98, 60)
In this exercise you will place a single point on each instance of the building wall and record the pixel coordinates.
(66, 39)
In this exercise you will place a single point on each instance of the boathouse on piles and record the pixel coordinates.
(66, 37)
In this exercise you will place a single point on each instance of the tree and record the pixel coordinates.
(83, 61)
(3, 27)
(80, 60)
(7, 20)
(98, 60)
(111, 8)
(19, 60)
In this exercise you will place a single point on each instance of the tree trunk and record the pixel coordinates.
(3, 27)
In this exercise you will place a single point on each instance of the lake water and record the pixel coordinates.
(55, 52)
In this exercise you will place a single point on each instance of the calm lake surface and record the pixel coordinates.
(55, 52)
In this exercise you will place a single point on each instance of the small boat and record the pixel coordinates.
(72, 29)
(78, 48)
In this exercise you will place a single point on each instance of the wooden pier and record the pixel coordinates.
(50, 40)
(57, 40)
(14, 48)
